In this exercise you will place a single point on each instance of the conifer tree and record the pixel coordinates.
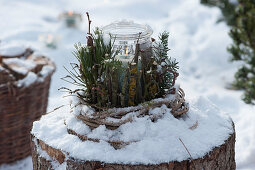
(240, 16)
(243, 48)
(227, 8)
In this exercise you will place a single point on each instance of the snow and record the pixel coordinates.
(161, 138)
(20, 65)
(46, 70)
(1, 68)
(25, 67)
(195, 41)
(78, 108)
(77, 125)
(23, 164)
(10, 50)
(29, 79)
(54, 163)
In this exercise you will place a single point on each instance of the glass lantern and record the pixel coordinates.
(126, 34)
(71, 19)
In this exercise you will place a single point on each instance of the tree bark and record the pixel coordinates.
(220, 158)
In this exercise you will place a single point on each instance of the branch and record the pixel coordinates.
(89, 21)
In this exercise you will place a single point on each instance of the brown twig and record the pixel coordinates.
(178, 105)
(117, 144)
(188, 152)
(55, 109)
(194, 126)
(89, 38)
(89, 21)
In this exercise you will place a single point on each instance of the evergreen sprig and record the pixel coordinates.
(167, 65)
(96, 64)
(103, 81)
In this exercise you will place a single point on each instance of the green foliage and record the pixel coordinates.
(104, 81)
(240, 16)
(243, 48)
(97, 64)
(227, 8)
(167, 65)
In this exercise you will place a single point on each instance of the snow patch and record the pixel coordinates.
(19, 65)
(10, 50)
(28, 80)
(153, 142)
(79, 108)
(46, 70)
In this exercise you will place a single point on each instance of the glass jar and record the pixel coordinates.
(71, 19)
(126, 34)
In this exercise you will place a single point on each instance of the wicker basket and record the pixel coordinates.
(19, 107)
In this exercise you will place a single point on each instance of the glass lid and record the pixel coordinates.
(127, 30)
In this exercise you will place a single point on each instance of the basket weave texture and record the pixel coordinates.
(19, 107)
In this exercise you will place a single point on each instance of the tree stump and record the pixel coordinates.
(49, 151)
(219, 158)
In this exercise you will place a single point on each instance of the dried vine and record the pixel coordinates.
(108, 86)
(178, 107)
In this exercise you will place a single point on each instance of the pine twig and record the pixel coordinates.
(55, 109)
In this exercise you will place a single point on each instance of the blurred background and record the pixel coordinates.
(199, 38)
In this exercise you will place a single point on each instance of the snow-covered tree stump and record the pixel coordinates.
(24, 87)
(202, 139)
